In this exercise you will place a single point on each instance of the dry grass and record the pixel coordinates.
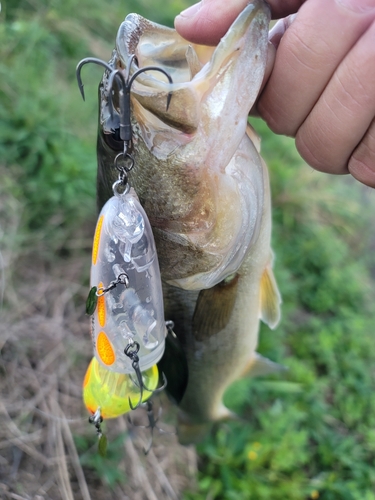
(45, 348)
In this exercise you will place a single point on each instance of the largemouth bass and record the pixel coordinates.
(205, 189)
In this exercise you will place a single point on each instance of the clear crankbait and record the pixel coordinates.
(126, 300)
(131, 311)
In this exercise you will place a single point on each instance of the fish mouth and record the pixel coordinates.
(194, 68)
(198, 176)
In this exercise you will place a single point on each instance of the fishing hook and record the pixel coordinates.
(97, 419)
(124, 91)
(124, 95)
(87, 60)
(124, 83)
(131, 351)
(152, 423)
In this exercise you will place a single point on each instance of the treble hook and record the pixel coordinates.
(131, 350)
(97, 420)
(124, 95)
(124, 90)
(82, 63)
(152, 423)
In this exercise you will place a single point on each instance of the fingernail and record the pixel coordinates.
(359, 6)
(278, 30)
(276, 33)
(190, 11)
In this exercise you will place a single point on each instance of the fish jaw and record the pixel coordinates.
(189, 175)
(205, 78)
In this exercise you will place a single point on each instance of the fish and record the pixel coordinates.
(201, 180)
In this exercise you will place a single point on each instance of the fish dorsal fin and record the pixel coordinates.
(270, 299)
(259, 365)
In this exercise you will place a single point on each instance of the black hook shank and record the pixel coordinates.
(124, 83)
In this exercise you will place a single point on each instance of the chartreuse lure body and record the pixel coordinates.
(112, 392)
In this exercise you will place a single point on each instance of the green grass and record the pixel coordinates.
(309, 432)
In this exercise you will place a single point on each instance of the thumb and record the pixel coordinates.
(207, 22)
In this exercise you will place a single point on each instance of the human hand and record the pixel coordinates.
(322, 86)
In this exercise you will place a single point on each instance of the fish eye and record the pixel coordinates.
(114, 141)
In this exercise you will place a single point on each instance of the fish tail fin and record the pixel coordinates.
(193, 432)
(190, 432)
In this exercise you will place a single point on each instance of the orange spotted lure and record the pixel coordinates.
(125, 301)
(125, 279)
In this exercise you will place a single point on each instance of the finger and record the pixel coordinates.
(207, 21)
(309, 53)
(271, 54)
(362, 162)
(344, 112)
(277, 32)
(282, 8)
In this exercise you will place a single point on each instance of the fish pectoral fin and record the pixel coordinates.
(259, 365)
(214, 309)
(270, 299)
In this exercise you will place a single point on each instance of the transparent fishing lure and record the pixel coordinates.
(127, 310)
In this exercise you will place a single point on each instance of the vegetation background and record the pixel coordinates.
(308, 433)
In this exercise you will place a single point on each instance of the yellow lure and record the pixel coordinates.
(111, 391)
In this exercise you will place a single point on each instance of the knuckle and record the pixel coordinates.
(318, 152)
(362, 162)
(310, 153)
(288, 95)
(273, 115)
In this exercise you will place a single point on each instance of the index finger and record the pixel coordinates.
(207, 22)
(309, 53)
